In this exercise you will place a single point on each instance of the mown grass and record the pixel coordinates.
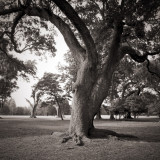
(32, 139)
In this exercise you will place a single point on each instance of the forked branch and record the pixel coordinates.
(139, 58)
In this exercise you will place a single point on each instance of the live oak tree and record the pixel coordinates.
(36, 95)
(49, 86)
(99, 34)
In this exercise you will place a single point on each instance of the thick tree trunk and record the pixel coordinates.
(82, 114)
(81, 120)
(91, 88)
(86, 103)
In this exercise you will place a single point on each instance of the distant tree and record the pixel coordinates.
(51, 110)
(69, 72)
(5, 110)
(19, 111)
(26, 111)
(49, 85)
(36, 95)
(157, 108)
(12, 106)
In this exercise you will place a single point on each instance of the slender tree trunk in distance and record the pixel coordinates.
(59, 110)
(128, 115)
(111, 116)
(98, 115)
(33, 111)
(33, 108)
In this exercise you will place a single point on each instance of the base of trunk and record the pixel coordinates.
(33, 117)
(111, 117)
(94, 133)
(128, 116)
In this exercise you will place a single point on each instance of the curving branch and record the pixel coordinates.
(13, 60)
(135, 55)
(72, 15)
(77, 50)
(139, 58)
(9, 11)
(16, 21)
(14, 9)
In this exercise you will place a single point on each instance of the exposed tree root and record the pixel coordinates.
(65, 137)
(78, 140)
(94, 134)
(81, 140)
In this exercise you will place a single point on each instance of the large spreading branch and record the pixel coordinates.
(13, 60)
(15, 23)
(138, 57)
(9, 11)
(64, 28)
(114, 57)
(14, 9)
(72, 15)
(135, 55)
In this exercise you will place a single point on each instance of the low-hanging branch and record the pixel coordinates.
(14, 60)
(19, 64)
(139, 58)
(15, 23)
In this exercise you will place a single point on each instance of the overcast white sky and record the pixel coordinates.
(49, 65)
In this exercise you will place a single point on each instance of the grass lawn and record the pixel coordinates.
(22, 138)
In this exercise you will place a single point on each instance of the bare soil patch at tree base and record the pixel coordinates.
(33, 139)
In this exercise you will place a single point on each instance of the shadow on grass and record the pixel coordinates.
(108, 134)
(111, 135)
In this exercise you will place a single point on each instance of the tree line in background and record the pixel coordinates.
(10, 108)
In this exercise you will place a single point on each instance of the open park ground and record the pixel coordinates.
(23, 138)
